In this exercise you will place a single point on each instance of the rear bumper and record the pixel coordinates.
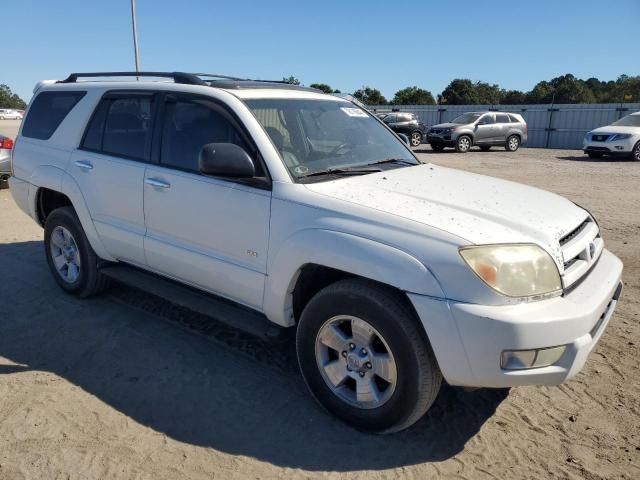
(468, 339)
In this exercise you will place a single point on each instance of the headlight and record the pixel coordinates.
(620, 136)
(514, 270)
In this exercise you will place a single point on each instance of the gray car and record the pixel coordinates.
(484, 129)
(6, 144)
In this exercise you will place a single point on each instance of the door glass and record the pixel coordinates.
(128, 127)
(502, 118)
(487, 119)
(188, 126)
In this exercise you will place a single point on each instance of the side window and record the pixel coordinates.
(47, 112)
(502, 118)
(127, 128)
(93, 135)
(188, 125)
(390, 119)
(487, 119)
(514, 119)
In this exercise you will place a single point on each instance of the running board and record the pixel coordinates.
(217, 308)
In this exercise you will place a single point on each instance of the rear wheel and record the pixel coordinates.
(635, 153)
(513, 143)
(71, 259)
(365, 358)
(463, 144)
(416, 139)
(595, 154)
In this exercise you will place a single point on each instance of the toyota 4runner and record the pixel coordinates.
(308, 210)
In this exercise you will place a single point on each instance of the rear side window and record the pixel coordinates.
(502, 118)
(47, 112)
(514, 119)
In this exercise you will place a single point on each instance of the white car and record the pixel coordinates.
(622, 137)
(6, 114)
(307, 210)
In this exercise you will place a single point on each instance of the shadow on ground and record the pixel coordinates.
(202, 390)
(586, 158)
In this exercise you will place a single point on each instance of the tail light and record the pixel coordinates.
(6, 143)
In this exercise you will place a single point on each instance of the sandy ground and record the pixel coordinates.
(127, 386)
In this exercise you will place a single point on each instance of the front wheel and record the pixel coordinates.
(513, 143)
(71, 259)
(364, 357)
(463, 144)
(416, 139)
(635, 154)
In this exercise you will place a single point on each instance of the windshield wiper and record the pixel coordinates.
(342, 171)
(393, 160)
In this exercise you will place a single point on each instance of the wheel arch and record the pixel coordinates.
(312, 259)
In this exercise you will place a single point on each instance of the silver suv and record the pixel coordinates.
(484, 129)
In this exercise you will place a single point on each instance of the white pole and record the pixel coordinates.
(135, 35)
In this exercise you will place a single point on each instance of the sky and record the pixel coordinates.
(388, 45)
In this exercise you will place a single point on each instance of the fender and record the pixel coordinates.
(349, 253)
(56, 179)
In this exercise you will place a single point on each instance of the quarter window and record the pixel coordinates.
(513, 119)
(189, 125)
(47, 112)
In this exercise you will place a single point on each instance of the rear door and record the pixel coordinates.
(209, 232)
(502, 127)
(109, 168)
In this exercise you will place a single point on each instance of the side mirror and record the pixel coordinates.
(404, 138)
(225, 160)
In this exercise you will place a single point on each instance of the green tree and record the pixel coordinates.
(292, 80)
(322, 86)
(370, 96)
(462, 91)
(513, 97)
(413, 96)
(8, 99)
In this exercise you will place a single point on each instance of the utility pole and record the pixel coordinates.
(135, 35)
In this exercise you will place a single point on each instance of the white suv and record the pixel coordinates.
(622, 137)
(307, 209)
(6, 114)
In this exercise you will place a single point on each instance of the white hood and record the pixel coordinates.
(477, 208)
(616, 129)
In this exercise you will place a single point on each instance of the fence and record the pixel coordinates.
(549, 126)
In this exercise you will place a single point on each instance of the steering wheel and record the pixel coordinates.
(342, 146)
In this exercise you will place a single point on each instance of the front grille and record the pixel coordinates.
(581, 248)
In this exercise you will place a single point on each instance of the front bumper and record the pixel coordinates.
(468, 339)
(444, 140)
(620, 147)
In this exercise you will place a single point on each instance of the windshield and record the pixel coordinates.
(466, 118)
(315, 136)
(628, 121)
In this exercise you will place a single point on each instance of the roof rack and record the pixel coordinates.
(178, 77)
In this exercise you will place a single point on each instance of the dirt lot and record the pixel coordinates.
(117, 387)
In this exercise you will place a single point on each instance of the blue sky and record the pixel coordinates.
(387, 45)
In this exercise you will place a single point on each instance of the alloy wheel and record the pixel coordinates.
(65, 254)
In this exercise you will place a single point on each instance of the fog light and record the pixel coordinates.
(537, 358)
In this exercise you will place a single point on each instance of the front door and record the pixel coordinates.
(485, 129)
(206, 231)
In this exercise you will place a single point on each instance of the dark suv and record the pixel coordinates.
(407, 123)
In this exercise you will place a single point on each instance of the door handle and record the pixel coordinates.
(84, 165)
(156, 183)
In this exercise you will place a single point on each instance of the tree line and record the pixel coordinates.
(461, 91)
(8, 99)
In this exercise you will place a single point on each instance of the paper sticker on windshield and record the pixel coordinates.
(354, 112)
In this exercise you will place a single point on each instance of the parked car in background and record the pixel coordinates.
(302, 209)
(620, 138)
(7, 114)
(406, 123)
(6, 144)
(482, 129)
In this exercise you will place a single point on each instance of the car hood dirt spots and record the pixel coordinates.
(477, 208)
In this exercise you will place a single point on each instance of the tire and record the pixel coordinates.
(415, 138)
(595, 154)
(4, 182)
(485, 148)
(464, 144)
(437, 148)
(63, 234)
(413, 374)
(635, 153)
(512, 144)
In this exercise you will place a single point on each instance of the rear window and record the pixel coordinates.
(47, 112)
